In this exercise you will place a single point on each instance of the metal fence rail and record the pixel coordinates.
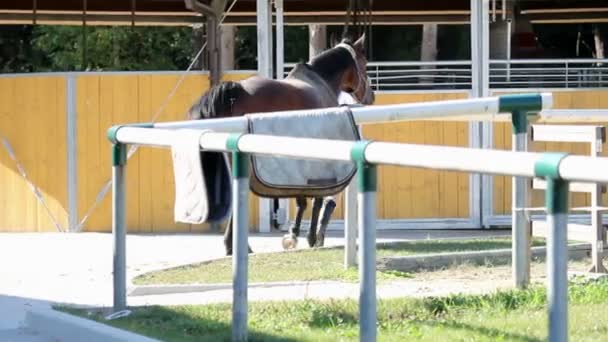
(549, 73)
(504, 73)
(557, 168)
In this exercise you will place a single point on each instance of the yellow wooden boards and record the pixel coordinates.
(106, 100)
(33, 120)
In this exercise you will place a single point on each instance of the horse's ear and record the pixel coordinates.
(359, 45)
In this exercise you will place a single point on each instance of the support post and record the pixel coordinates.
(597, 242)
(350, 225)
(264, 35)
(280, 57)
(557, 258)
(480, 133)
(317, 41)
(72, 154)
(521, 108)
(240, 229)
(367, 183)
(227, 33)
(556, 199)
(520, 200)
(119, 231)
(214, 49)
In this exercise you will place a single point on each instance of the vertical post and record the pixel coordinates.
(119, 231)
(557, 258)
(72, 155)
(280, 57)
(556, 199)
(213, 49)
(350, 225)
(480, 203)
(227, 33)
(240, 192)
(520, 225)
(317, 41)
(597, 242)
(350, 220)
(264, 35)
(367, 183)
(509, 28)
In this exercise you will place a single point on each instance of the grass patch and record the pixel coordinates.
(503, 316)
(309, 264)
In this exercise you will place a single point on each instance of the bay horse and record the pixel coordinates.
(340, 69)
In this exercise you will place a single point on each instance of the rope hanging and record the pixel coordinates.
(358, 19)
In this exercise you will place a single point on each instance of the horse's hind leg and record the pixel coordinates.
(228, 239)
(317, 204)
(329, 205)
(290, 240)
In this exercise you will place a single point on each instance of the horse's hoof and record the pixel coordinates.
(290, 241)
(311, 240)
(320, 241)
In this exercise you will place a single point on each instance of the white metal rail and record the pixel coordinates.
(557, 169)
(449, 158)
(504, 73)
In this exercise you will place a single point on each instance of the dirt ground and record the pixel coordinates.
(476, 279)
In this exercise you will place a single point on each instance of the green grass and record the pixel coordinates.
(503, 316)
(308, 264)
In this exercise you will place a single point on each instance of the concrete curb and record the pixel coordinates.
(68, 328)
(499, 256)
(150, 290)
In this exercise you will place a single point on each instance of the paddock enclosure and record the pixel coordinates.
(55, 124)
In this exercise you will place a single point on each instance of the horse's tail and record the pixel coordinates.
(217, 102)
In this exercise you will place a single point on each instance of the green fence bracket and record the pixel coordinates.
(556, 194)
(367, 173)
(240, 160)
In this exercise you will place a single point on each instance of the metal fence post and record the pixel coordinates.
(556, 198)
(240, 194)
(350, 225)
(520, 107)
(367, 183)
(119, 230)
(520, 225)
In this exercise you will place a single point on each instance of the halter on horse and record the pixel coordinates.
(341, 68)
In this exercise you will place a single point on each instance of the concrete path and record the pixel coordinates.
(76, 269)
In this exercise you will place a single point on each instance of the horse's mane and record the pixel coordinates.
(216, 102)
(332, 61)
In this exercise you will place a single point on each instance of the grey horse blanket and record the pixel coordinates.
(280, 177)
(285, 177)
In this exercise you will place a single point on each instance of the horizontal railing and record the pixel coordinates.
(504, 73)
(557, 168)
(549, 73)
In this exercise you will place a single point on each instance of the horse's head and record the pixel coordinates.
(355, 80)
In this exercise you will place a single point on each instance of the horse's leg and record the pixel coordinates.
(317, 203)
(228, 239)
(290, 240)
(275, 210)
(329, 205)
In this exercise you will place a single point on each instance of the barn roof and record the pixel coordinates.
(175, 12)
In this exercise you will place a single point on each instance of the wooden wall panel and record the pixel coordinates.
(33, 121)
